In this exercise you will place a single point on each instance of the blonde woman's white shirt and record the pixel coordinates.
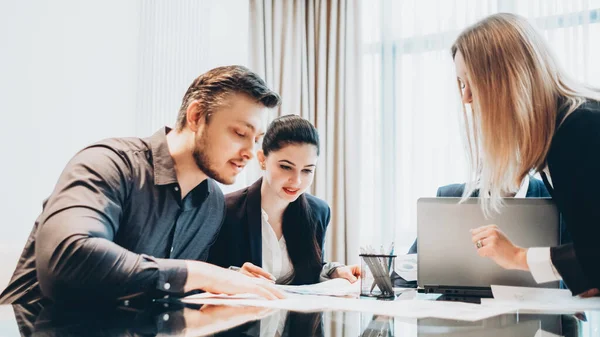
(538, 258)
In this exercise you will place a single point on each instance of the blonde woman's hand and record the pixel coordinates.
(491, 242)
(590, 293)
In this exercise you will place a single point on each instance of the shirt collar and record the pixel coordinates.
(264, 214)
(522, 192)
(164, 167)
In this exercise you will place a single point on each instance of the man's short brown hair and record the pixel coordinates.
(212, 89)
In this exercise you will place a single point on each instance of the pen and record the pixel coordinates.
(390, 258)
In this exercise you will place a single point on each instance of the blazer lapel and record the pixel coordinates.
(253, 212)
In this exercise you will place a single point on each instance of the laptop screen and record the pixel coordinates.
(447, 258)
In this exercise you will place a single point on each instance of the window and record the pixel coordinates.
(412, 141)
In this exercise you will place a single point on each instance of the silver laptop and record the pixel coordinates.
(447, 258)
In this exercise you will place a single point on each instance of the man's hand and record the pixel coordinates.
(218, 280)
(491, 242)
(350, 273)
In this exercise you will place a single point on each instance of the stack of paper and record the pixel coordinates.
(420, 308)
(335, 287)
(406, 266)
(297, 303)
(540, 300)
(407, 308)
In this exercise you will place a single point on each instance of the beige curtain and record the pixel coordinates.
(308, 51)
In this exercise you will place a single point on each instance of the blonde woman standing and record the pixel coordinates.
(528, 115)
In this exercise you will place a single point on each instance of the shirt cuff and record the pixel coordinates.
(328, 269)
(172, 275)
(540, 265)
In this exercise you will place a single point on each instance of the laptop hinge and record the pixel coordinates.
(457, 290)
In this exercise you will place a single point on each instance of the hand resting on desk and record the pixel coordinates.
(218, 280)
(350, 273)
(251, 270)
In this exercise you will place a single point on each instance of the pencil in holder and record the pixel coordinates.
(375, 277)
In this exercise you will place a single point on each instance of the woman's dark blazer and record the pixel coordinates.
(240, 238)
(574, 165)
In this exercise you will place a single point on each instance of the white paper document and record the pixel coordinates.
(300, 303)
(406, 266)
(542, 333)
(405, 308)
(420, 308)
(335, 287)
(540, 300)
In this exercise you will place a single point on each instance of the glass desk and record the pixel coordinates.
(176, 319)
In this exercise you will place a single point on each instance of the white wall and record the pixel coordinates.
(179, 41)
(171, 55)
(73, 72)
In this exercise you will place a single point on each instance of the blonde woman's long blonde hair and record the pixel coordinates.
(518, 90)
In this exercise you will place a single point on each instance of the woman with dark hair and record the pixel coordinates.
(273, 229)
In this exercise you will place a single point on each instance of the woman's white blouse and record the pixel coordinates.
(275, 258)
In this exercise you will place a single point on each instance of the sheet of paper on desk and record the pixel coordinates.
(335, 287)
(400, 308)
(406, 266)
(540, 299)
(406, 308)
(223, 296)
(296, 303)
(542, 333)
(419, 308)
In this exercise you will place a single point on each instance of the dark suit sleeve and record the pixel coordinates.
(323, 213)
(76, 257)
(451, 191)
(574, 163)
(566, 263)
(325, 216)
(219, 250)
(326, 224)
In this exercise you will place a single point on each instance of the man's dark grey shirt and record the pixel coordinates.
(115, 225)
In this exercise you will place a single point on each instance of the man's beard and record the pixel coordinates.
(204, 163)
